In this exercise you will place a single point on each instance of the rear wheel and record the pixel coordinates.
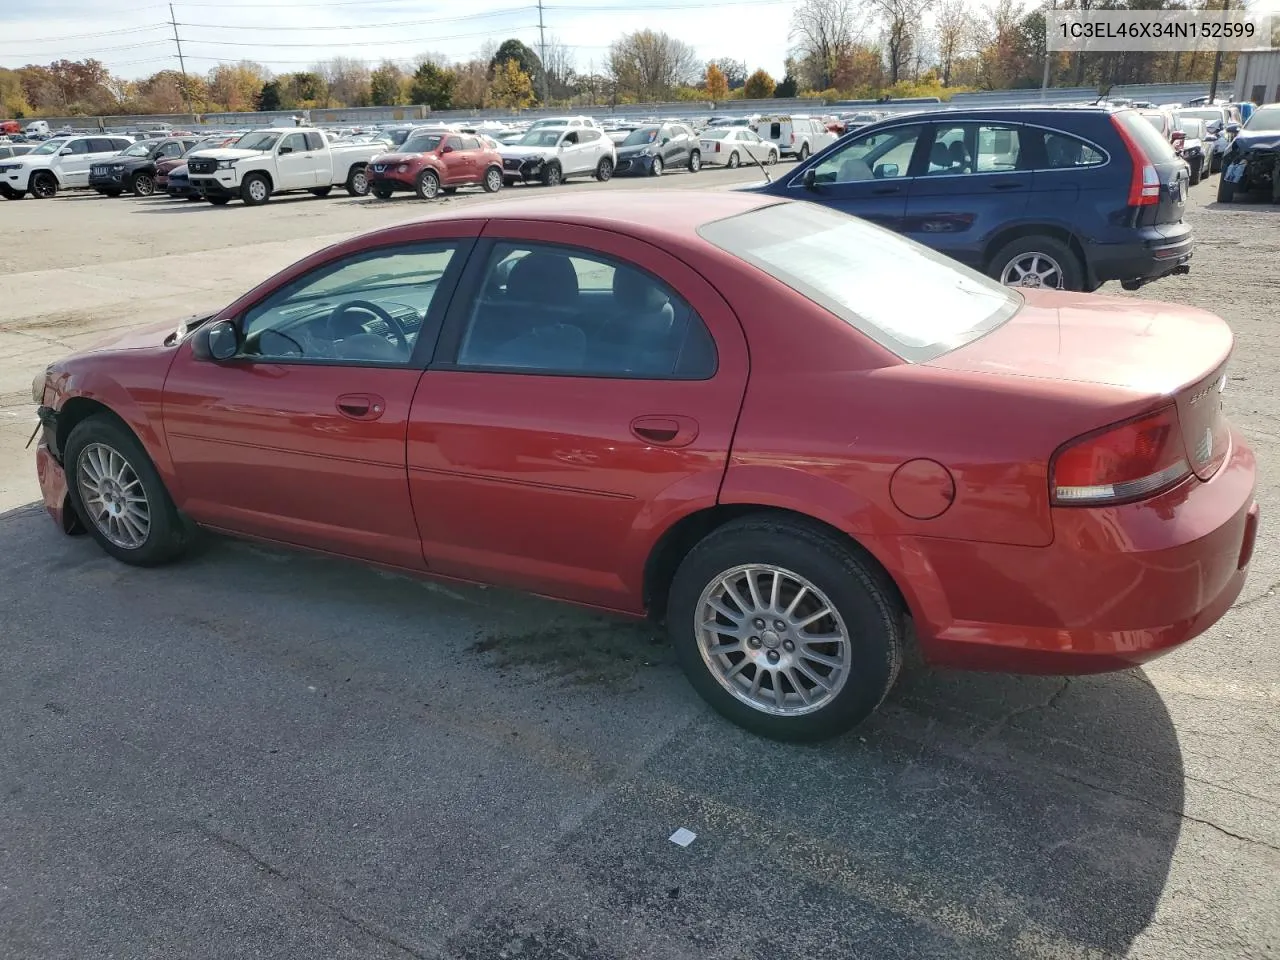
(1195, 173)
(604, 169)
(493, 180)
(320, 191)
(427, 185)
(382, 191)
(773, 158)
(255, 190)
(144, 185)
(785, 629)
(358, 182)
(732, 161)
(695, 162)
(1037, 261)
(804, 152)
(44, 185)
(119, 496)
(1226, 190)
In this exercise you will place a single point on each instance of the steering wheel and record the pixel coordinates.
(336, 332)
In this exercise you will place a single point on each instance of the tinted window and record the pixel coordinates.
(316, 317)
(1063, 152)
(545, 309)
(1151, 140)
(83, 146)
(314, 141)
(453, 143)
(1264, 118)
(908, 298)
(882, 155)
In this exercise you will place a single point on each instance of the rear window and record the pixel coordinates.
(911, 300)
(1151, 140)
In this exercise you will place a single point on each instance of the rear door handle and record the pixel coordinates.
(1007, 185)
(361, 406)
(666, 430)
(882, 191)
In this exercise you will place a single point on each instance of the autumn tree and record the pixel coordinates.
(823, 33)
(236, 86)
(385, 83)
(472, 85)
(954, 28)
(735, 71)
(433, 86)
(271, 97)
(648, 65)
(903, 20)
(716, 84)
(524, 57)
(13, 99)
(511, 87)
(759, 86)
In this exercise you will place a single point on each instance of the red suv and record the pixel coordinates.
(431, 161)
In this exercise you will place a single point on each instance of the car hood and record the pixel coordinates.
(397, 157)
(226, 153)
(179, 171)
(1261, 140)
(1192, 143)
(522, 153)
(27, 160)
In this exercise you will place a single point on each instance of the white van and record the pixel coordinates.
(795, 135)
(37, 128)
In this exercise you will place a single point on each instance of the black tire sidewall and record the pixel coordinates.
(244, 190)
(1226, 189)
(870, 614)
(1072, 269)
(604, 170)
(44, 177)
(168, 535)
(382, 193)
(695, 161)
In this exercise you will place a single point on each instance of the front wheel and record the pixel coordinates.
(552, 175)
(44, 186)
(773, 158)
(493, 180)
(1037, 261)
(604, 170)
(255, 190)
(695, 162)
(427, 186)
(382, 191)
(804, 152)
(320, 191)
(784, 629)
(655, 169)
(144, 185)
(1226, 189)
(119, 496)
(358, 182)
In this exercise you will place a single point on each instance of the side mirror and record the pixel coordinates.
(1233, 127)
(216, 342)
(64, 152)
(810, 179)
(446, 149)
(284, 150)
(883, 170)
(665, 141)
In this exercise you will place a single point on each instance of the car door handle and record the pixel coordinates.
(361, 406)
(1007, 185)
(666, 431)
(884, 191)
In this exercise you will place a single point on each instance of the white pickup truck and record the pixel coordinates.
(278, 160)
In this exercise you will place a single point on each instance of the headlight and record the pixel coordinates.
(37, 386)
(403, 168)
(226, 164)
(6, 167)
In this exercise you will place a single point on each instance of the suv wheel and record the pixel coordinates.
(144, 185)
(1037, 261)
(784, 629)
(357, 184)
(255, 190)
(1226, 190)
(604, 169)
(493, 180)
(427, 185)
(695, 162)
(44, 185)
(656, 168)
(552, 175)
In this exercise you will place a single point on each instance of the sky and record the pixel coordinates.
(135, 39)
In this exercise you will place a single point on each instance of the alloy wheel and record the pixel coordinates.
(1032, 269)
(113, 496)
(144, 186)
(773, 639)
(494, 180)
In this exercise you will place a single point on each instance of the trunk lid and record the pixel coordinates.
(1145, 348)
(1171, 170)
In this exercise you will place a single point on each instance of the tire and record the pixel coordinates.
(219, 201)
(655, 169)
(357, 184)
(1195, 175)
(113, 192)
(1215, 162)
(44, 185)
(320, 191)
(552, 175)
(427, 186)
(143, 185)
(604, 170)
(1226, 190)
(774, 157)
(89, 449)
(382, 191)
(865, 614)
(1062, 272)
(695, 161)
(732, 161)
(449, 191)
(804, 153)
(493, 180)
(10, 194)
(189, 197)
(255, 190)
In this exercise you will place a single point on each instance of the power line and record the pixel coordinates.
(363, 26)
(360, 43)
(90, 36)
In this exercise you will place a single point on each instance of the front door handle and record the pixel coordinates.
(665, 430)
(361, 406)
(883, 191)
(1007, 185)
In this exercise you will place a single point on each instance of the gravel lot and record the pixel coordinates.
(263, 754)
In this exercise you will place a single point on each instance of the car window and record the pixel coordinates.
(314, 141)
(882, 155)
(559, 310)
(294, 143)
(173, 149)
(571, 136)
(858, 272)
(587, 135)
(369, 308)
(82, 146)
(453, 143)
(1064, 151)
(999, 149)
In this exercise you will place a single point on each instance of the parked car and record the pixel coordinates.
(552, 154)
(134, 169)
(1019, 455)
(1189, 142)
(579, 121)
(651, 150)
(1162, 121)
(58, 164)
(429, 162)
(1220, 129)
(9, 150)
(730, 146)
(795, 136)
(1253, 162)
(1065, 197)
(178, 184)
(166, 165)
(278, 160)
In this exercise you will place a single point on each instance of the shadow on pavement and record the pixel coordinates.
(285, 751)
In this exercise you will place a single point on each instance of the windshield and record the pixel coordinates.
(422, 144)
(258, 141)
(49, 146)
(906, 297)
(397, 137)
(541, 138)
(643, 135)
(1208, 116)
(1264, 118)
(1155, 119)
(138, 150)
(718, 134)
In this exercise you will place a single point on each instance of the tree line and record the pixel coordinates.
(837, 49)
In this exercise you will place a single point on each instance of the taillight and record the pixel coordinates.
(1144, 182)
(1123, 462)
(717, 146)
(793, 138)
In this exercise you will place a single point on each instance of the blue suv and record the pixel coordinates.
(1061, 197)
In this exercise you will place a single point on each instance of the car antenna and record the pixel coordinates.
(762, 168)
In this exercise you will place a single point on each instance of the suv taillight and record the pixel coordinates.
(1126, 461)
(1144, 182)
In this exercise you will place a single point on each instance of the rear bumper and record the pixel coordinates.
(1152, 253)
(1118, 586)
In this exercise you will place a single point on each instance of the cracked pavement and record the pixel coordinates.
(258, 753)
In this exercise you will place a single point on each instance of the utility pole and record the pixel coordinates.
(1044, 83)
(1217, 58)
(182, 64)
(542, 54)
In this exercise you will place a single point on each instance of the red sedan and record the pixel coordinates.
(784, 431)
(431, 161)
